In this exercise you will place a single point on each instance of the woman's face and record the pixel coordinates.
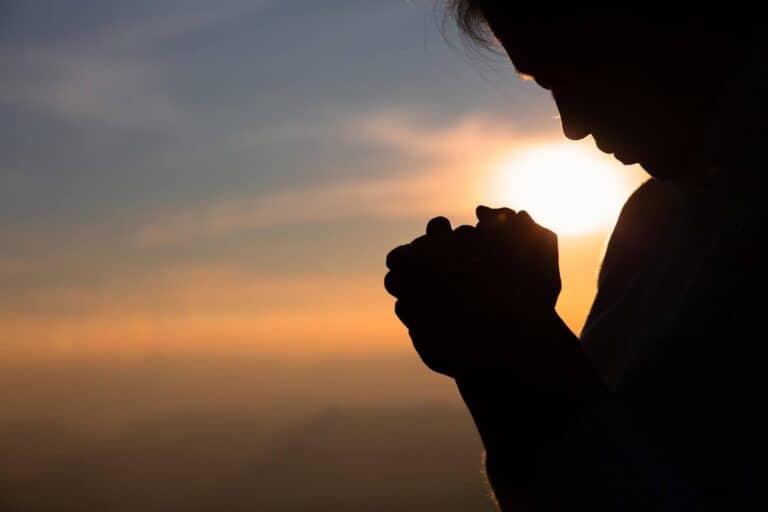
(635, 92)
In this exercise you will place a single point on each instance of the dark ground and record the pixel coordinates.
(89, 441)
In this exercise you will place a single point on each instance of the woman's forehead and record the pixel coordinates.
(576, 52)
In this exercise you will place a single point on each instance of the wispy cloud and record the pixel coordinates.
(210, 308)
(467, 137)
(454, 158)
(12, 267)
(140, 37)
(109, 75)
(87, 87)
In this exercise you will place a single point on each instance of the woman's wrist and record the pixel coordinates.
(538, 352)
(532, 393)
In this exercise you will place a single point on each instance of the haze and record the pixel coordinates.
(196, 199)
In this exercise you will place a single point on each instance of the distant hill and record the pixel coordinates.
(390, 458)
(396, 459)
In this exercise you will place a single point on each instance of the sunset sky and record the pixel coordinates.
(189, 177)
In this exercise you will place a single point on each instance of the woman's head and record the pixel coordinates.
(649, 89)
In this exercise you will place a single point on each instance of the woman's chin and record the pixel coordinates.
(625, 158)
(660, 171)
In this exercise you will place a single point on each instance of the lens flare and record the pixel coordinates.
(567, 188)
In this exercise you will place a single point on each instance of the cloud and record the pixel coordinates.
(467, 136)
(445, 182)
(109, 75)
(87, 87)
(138, 38)
(12, 267)
(211, 308)
(379, 198)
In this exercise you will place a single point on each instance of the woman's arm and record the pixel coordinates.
(523, 413)
(556, 439)
(479, 306)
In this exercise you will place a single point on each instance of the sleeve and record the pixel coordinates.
(539, 458)
(606, 461)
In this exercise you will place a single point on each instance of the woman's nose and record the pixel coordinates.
(572, 118)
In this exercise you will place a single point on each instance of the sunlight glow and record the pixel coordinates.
(566, 187)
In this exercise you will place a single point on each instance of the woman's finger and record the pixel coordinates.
(394, 283)
(398, 256)
(439, 226)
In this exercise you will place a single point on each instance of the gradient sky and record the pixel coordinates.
(227, 177)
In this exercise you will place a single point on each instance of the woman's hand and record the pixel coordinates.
(478, 298)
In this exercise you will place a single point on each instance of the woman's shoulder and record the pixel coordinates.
(648, 222)
(647, 208)
(649, 205)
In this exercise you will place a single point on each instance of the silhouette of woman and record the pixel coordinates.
(657, 405)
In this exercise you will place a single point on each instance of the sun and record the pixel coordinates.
(566, 187)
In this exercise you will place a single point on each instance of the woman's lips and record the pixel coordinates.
(620, 155)
(602, 146)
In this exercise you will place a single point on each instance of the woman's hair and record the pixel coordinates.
(470, 18)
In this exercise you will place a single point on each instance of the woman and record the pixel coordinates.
(657, 404)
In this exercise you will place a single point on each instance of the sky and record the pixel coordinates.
(226, 178)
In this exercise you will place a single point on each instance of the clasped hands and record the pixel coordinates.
(477, 299)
